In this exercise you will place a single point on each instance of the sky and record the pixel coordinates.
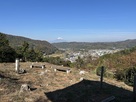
(70, 20)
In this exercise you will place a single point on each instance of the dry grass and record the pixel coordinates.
(57, 86)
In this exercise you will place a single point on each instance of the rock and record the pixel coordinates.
(31, 66)
(71, 81)
(81, 78)
(25, 87)
(42, 73)
(22, 71)
(82, 72)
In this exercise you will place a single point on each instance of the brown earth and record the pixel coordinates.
(49, 86)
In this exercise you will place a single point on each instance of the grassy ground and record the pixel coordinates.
(49, 86)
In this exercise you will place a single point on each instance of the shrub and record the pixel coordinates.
(7, 54)
(109, 74)
(98, 70)
(129, 76)
(126, 75)
(119, 74)
(57, 61)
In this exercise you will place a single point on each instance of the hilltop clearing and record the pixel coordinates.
(49, 86)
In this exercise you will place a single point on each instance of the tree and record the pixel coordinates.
(24, 50)
(31, 55)
(79, 63)
(7, 54)
(3, 40)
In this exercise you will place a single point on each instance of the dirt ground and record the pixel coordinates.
(46, 85)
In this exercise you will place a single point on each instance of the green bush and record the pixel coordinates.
(109, 74)
(7, 54)
(129, 76)
(119, 74)
(57, 61)
(98, 70)
(126, 75)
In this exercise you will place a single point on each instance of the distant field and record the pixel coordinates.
(57, 86)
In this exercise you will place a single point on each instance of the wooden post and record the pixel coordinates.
(134, 90)
(17, 65)
(101, 79)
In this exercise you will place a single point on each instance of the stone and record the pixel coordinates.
(21, 71)
(81, 79)
(82, 72)
(42, 73)
(25, 87)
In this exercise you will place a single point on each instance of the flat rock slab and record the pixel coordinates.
(68, 70)
(37, 66)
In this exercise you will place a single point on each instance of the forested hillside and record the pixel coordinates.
(97, 45)
(122, 64)
(120, 60)
(44, 46)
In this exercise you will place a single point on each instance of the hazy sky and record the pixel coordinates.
(71, 20)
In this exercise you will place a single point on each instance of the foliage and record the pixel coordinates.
(38, 45)
(27, 51)
(122, 64)
(79, 63)
(126, 75)
(3, 40)
(31, 55)
(28, 54)
(119, 74)
(90, 63)
(119, 60)
(129, 75)
(98, 70)
(7, 54)
(57, 61)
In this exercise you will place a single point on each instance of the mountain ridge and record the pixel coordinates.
(44, 46)
(96, 45)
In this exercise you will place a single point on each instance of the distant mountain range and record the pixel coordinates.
(43, 46)
(96, 45)
(48, 48)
